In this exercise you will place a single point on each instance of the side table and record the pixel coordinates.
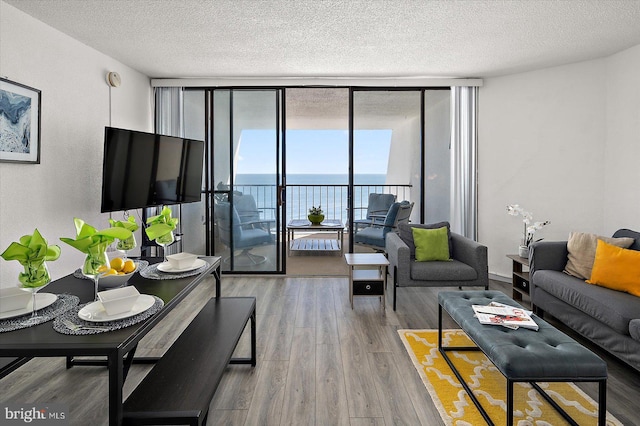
(519, 277)
(367, 275)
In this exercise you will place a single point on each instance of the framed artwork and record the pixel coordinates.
(19, 123)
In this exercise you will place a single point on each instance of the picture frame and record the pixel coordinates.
(19, 123)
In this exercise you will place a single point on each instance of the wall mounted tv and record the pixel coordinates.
(146, 170)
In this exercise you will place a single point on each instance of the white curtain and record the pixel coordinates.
(169, 111)
(464, 138)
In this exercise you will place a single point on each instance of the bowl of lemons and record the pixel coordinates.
(118, 274)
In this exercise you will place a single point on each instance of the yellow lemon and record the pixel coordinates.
(128, 266)
(111, 271)
(117, 263)
(103, 268)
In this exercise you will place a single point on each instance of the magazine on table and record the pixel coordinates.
(507, 316)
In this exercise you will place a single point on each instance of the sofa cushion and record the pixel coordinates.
(634, 329)
(582, 251)
(453, 270)
(614, 308)
(431, 244)
(406, 234)
(616, 268)
(630, 234)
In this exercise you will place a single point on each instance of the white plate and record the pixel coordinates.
(94, 312)
(42, 301)
(166, 267)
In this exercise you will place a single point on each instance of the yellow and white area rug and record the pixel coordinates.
(489, 386)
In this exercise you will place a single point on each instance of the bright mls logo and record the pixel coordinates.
(34, 414)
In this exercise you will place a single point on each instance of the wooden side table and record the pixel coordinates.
(519, 277)
(370, 279)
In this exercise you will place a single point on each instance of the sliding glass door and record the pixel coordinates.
(246, 175)
(342, 144)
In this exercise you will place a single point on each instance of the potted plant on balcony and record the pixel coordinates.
(316, 215)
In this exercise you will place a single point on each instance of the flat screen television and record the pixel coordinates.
(146, 170)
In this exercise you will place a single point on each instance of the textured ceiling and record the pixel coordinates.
(343, 38)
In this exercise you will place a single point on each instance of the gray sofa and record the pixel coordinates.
(609, 318)
(469, 266)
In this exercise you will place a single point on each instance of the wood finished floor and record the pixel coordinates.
(319, 362)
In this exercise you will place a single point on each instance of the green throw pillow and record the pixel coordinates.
(431, 244)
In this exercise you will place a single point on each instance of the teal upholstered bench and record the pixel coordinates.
(546, 355)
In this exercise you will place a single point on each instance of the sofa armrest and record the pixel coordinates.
(399, 256)
(548, 255)
(473, 254)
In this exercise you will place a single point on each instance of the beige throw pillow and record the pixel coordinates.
(582, 252)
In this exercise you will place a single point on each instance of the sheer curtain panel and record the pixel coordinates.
(464, 138)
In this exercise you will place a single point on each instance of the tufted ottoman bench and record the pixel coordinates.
(546, 355)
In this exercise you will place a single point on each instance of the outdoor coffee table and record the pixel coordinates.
(309, 244)
(521, 355)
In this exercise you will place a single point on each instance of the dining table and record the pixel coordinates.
(115, 348)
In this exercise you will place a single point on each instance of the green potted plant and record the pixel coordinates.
(93, 243)
(130, 243)
(160, 229)
(32, 252)
(316, 215)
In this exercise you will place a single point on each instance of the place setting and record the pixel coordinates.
(115, 309)
(21, 309)
(25, 305)
(175, 266)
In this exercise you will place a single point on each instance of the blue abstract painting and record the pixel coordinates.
(19, 122)
(15, 116)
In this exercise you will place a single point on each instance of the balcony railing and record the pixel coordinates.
(332, 199)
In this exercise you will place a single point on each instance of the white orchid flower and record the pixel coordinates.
(530, 227)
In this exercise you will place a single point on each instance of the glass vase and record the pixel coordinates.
(95, 264)
(164, 241)
(124, 246)
(35, 277)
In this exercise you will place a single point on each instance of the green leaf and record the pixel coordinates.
(16, 251)
(161, 224)
(129, 224)
(158, 230)
(90, 241)
(32, 251)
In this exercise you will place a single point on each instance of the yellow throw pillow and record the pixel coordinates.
(616, 268)
(582, 250)
(431, 244)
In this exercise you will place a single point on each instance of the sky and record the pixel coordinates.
(315, 151)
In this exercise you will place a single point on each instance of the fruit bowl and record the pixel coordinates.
(118, 275)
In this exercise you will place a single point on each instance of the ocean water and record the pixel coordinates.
(311, 179)
(329, 191)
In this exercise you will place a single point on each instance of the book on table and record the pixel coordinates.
(507, 316)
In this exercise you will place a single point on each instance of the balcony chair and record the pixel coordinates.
(376, 209)
(467, 266)
(248, 230)
(374, 236)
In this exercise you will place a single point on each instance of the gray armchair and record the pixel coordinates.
(374, 235)
(376, 209)
(469, 265)
(243, 232)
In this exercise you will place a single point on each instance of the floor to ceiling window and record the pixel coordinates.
(301, 138)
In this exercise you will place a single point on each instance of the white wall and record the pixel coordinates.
(75, 110)
(622, 149)
(563, 143)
